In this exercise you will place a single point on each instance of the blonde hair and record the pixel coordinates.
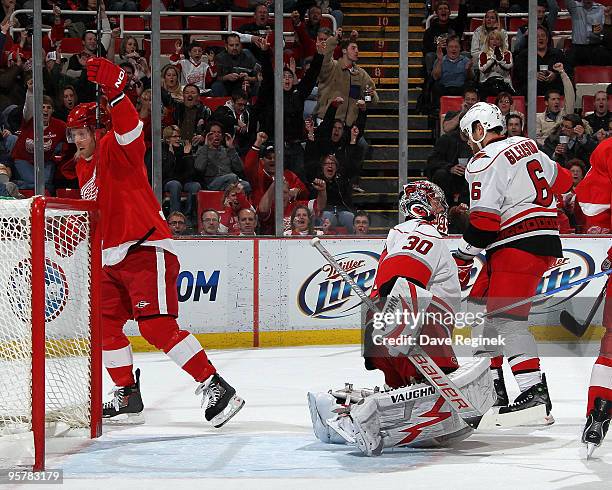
(168, 130)
(502, 44)
(484, 33)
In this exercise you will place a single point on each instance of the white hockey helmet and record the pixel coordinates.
(423, 199)
(488, 115)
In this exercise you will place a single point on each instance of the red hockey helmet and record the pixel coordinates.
(423, 199)
(84, 116)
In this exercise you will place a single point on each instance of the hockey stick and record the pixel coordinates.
(421, 360)
(540, 296)
(574, 326)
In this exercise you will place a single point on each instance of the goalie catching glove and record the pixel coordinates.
(109, 76)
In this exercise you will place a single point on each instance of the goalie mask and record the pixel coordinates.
(488, 115)
(425, 200)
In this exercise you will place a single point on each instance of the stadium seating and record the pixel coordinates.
(593, 74)
(588, 102)
(166, 46)
(199, 23)
(171, 23)
(518, 102)
(133, 24)
(214, 102)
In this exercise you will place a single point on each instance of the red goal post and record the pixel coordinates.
(50, 337)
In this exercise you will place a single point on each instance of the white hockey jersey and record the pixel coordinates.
(416, 250)
(193, 73)
(512, 185)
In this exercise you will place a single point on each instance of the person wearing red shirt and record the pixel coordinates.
(234, 201)
(594, 195)
(54, 141)
(265, 210)
(140, 268)
(259, 167)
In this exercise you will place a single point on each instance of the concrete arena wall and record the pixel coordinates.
(278, 292)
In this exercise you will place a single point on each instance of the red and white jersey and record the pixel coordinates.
(416, 250)
(117, 179)
(594, 192)
(512, 203)
(192, 72)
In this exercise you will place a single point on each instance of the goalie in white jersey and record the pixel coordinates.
(513, 217)
(416, 266)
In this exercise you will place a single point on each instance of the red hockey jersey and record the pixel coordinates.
(117, 179)
(594, 193)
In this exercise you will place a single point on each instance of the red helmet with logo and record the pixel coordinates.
(84, 116)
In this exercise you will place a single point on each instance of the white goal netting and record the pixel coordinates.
(67, 276)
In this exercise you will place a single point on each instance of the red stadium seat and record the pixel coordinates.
(475, 23)
(166, 46)
(68, 193)
(71, 45)
(167, 23)
(593, 74)
(563, 24)
(196, 22)
(450, 103)
(588, 103)
(516, 22)
(214, 102)
(209, 200)
(133, 24)
(240, 21)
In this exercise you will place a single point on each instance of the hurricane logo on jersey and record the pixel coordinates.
(324, 294)
(56, 290)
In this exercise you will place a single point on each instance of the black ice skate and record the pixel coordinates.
(597, 425)
(532, 406)
(126, 405)
(220, 399)
(500, 389)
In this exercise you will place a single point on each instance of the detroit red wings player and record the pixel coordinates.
(139, 266)
(594, 194)
(514, 218)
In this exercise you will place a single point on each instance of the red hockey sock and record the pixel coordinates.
(601, 381)
(496, 362)
(182, 347)
(117, 356)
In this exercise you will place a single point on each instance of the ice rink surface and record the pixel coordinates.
(270, 444)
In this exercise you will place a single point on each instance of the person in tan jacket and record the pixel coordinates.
(546, 121)
(344, 78)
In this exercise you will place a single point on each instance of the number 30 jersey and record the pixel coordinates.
(512, 197)
(416, 250)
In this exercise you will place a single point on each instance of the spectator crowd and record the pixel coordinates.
(218, 113)
(489, 62)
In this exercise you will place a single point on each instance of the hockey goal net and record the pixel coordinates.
(50, 347)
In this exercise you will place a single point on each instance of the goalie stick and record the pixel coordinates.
(421, 360)
(572, 325)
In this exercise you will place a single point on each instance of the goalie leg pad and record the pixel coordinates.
(418, 416)
(321, 406)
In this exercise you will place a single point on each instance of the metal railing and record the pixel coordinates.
(123, 14)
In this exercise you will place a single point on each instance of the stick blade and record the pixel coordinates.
(571, 324)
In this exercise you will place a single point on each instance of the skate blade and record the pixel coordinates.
(528, 417)
(125, 419)
(590, 448)
(233, 407)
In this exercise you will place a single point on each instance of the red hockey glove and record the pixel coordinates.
(464, 264)
(109, 76)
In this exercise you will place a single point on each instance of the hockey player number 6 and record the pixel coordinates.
(543, 194)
